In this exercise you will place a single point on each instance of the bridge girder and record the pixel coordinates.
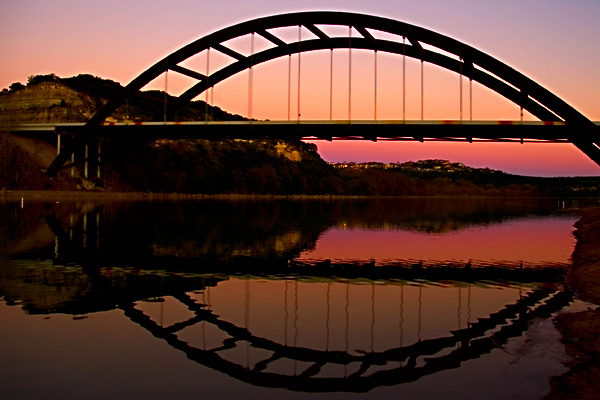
(468, 61)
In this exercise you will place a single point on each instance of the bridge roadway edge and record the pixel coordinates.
(545, 131)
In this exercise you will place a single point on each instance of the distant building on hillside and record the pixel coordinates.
(433, 165)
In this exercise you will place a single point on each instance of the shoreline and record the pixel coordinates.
(189, 196)
(158, 196)
(580, 332)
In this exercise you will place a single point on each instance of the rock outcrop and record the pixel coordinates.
(45, 102)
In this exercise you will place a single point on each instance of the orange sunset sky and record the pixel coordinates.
(553, 43)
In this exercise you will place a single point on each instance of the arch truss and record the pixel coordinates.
(413, 41)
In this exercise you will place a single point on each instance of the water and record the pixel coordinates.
(263, 299)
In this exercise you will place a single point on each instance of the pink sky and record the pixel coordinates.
(555, 44)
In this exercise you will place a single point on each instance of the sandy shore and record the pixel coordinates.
(581, 331)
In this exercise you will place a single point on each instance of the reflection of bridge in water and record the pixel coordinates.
(304, 333)
(360, 370)
(261, 316)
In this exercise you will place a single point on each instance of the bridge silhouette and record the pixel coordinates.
(559, 122)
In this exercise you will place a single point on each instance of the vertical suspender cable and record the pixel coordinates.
(422, 92)
(285, 307)
(420, 312)
(251, 77)
(375, 89)
(521, 105)
(372, 317)
(162, 303)
(470, 99)
(327, 319)
(166, 87)
(401, 323)
(346, 332)
(461, 88)
(469, 306)
(299, 65)
(289, 86)
(295, 318)
(203, 322)
(459, 310)
(206, 90)
(247, 320)
(349, 73)
(331, 84)
(212, 101)
(347, 310)
(403, 78)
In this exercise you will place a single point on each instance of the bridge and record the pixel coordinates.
(559, 122)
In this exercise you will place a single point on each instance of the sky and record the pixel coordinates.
(555, 43)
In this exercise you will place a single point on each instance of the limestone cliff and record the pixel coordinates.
(45, 102)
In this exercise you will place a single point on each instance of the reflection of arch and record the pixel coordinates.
(472, 343)
(471, 62)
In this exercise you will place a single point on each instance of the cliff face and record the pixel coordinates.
(188, 166)
(45, 102)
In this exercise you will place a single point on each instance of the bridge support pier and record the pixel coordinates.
(99, 152)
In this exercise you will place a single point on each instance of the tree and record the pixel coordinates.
(17, 168)
(15, 86)
(37, 79)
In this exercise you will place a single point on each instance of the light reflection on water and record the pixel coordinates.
(385, 299)
(526, 240)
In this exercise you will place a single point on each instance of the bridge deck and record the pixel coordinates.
(544, 131)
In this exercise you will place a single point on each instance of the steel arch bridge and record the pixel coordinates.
(454, 56)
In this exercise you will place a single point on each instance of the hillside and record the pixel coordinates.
(198, 166)
(45, 102)
(49, 98)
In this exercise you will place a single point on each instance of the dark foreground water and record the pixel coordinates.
(413, 298)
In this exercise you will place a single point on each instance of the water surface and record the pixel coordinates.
(264, 299)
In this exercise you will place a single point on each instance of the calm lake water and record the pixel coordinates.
(390, 298)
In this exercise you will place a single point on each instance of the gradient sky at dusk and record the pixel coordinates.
(555, 43)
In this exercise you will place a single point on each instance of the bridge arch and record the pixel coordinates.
(470, 62)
